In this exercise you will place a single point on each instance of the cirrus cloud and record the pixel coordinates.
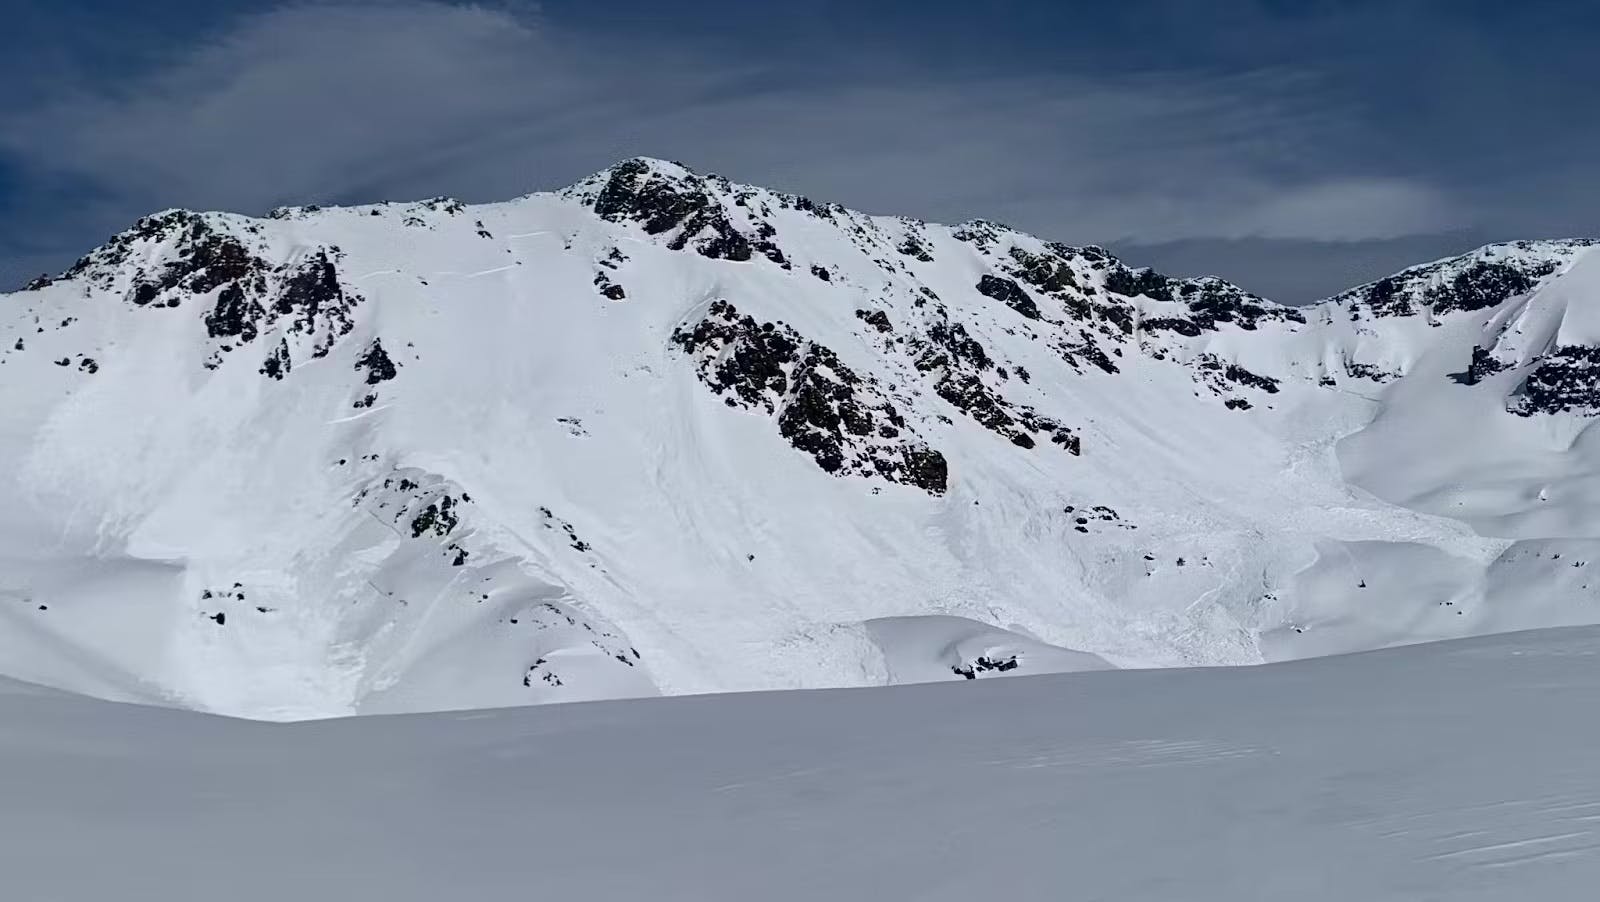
(359, 102)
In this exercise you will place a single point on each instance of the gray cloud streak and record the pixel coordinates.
(362, 102)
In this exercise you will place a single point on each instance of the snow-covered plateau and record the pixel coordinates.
(1455, 771)
(659, 433)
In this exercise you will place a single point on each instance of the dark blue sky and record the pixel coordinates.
(1295, 147)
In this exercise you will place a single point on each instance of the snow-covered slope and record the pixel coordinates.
(1453, 771)
(662, 433)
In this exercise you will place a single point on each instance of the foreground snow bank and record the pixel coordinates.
(1460, 770)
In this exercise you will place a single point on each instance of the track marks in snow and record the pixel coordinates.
(473, 275)
(1509, 833)
(768, 781)
(486, 272)
(366, 412)
(1523, 851)
(1137, 753)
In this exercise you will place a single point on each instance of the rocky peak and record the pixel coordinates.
(672, 200)
(612, 191)
(1472, 281)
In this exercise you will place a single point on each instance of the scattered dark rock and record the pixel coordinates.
(551, 521)
(984, 664)
(1099, 517)
(1222, 378)
(608, 289)
(1359, 370)
(981, 233)
(914, 249)
(439, 518)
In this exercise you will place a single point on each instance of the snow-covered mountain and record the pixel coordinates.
(658, 432)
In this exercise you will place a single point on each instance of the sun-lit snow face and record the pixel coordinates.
(663, 433)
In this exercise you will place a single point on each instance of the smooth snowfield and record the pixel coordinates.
(1460, 770)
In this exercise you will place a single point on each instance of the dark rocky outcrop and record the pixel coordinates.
(1482, 366)
(204, 260)
(957, 363)
(985, 664)
(314, 301)
(377, 364)
(1209, 300)
(1567, 379)
(842, 420)
(1224, 379)
(915, 249)
(1049, 274)
(438, 518)
(1477, 281)
(235, 314)
(684, 205)
(277, 364)
(877, 319)
(1009, 293)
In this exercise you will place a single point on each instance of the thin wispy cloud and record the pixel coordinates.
(1157, 127)
(360, 102)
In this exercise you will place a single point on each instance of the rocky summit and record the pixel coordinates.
(659, 432)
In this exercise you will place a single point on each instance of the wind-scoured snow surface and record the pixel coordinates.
(661, 433)
(1460, 770)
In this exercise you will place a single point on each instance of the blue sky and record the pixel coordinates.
(1294, 147)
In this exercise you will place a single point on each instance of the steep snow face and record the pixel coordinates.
(659, 432)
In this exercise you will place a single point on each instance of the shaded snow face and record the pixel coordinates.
(1457, 770)
(659, 432)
